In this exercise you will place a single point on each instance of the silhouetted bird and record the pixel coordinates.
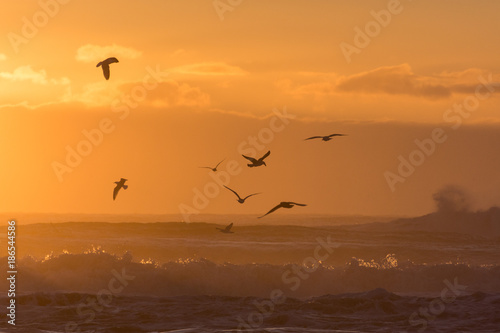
(240, 200)
(213, 169)
(325, 138)
(283, 204)
(256, 163)
(105, 66)
(118, 186)
(226, 230)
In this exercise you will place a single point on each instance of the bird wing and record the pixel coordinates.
(314, 137)
(248, 196)
(297, 204)
(111, 60)
(206, 168)
(232, 191)
(336, 134)
(251, 159)
(115, 191)
(218, 164)
(105, 71)
(228, 227)
(272, 210)
(266, 155)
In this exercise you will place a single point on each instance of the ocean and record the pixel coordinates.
(313, 274)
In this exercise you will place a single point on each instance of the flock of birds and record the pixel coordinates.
(253, 162)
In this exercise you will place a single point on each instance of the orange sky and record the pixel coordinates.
(428, 65)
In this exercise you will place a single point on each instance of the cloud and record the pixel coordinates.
(170, 93)
(177, 53)
(32, 88)
(208, 68)
(395, 80)
(3, 57)
(98, 93)
(391, 80)
(26, 73)
(167, 94)
(96, 53)
(322, 88)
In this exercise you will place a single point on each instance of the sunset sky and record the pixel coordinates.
(195, 83)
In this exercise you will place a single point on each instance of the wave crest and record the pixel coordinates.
(92, 271)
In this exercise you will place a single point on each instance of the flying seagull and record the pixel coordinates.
(283, 204)
(118, 186)
(226, 230)
(240, 200)
(213, 169)
(256, 163)
(105, 66)
(325, 138)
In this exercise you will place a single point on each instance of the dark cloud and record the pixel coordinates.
(400, 80)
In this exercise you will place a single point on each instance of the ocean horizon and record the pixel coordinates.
(179, 277)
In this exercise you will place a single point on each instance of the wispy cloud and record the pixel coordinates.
(3, 57)
(172, 94)
(167, 94)
(98, 93)
(395, 80)
(208, 68)
(26, 73)
(31, 88)
(390, 80)
(177, 53)
(95, 53)
(317, 88)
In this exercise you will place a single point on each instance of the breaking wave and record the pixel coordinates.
(92, 272)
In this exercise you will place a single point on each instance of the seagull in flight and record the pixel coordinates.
(213, 169)
(226, 230)
(283, 204)
(118, 186)
(105, 66)
(256, 163)
(240, 200)
(325, 138)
